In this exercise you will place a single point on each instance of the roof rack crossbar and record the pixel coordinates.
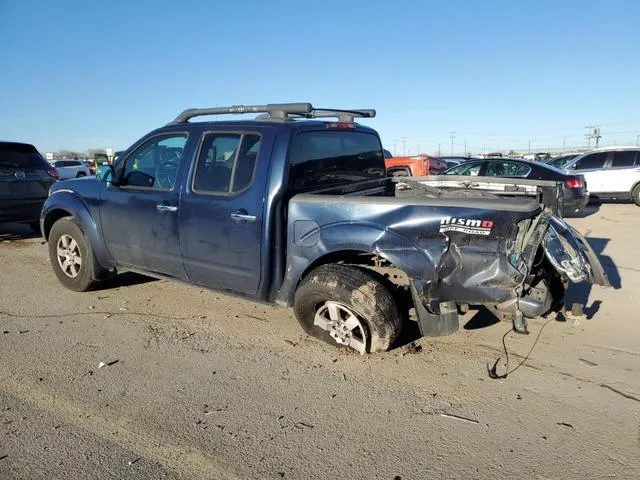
(278, 111)
(342, 115)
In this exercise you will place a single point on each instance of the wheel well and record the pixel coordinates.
(51, 218)
(366, 260)
(394, 278)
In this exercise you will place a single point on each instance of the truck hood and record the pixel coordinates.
(570, 254)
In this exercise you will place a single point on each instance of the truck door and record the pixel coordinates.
(140, 216)
(222, 209)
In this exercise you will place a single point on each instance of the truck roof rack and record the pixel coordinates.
(278, 111)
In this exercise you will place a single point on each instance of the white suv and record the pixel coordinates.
(610, 172)
(71, 169)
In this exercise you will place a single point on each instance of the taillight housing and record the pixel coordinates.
(53, 173)
(574, 183)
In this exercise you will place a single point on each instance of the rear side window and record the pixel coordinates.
(624, 158)
(333, 157)
(594, 160)
(465, 169)
(506, 169)
(20, 156)
(226, 162)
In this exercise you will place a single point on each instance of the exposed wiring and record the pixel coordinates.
(493, 371)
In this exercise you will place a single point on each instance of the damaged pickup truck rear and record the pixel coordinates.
(294, 208)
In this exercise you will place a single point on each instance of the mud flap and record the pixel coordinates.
(571, 255)
(435, 325)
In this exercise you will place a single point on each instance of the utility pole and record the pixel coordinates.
(439, 150)
(529, 147)
(395, 143)
(404, 146)
(595, 133)
(563, 143)
(452, 136)
(637, 140)
(465, 148)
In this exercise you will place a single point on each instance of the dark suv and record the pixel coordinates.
(25, 178)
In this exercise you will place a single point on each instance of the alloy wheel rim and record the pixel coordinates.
(69, 256)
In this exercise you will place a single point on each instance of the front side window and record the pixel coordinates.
(226, 162)
(465, 169)
(594, 160)
(155, 163)
(334, 157)
(625, 158)
(507, 169)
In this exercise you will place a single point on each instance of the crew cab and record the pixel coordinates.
(294, 208)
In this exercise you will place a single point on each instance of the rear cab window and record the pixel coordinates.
(325, 158)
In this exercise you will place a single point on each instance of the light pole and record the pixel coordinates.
(452, 136)
(404, 146)
(637, 140)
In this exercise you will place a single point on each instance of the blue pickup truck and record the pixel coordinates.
(294, 208)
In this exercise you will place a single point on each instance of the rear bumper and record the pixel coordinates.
(575, 202)
(25, 210)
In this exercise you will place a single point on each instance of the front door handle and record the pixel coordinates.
(242, 216)
(166, 208)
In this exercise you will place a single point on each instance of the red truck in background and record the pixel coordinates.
(415, 166)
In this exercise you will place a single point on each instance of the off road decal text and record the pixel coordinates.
(470, 226)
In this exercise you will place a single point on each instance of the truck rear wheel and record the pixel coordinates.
(71, 256)
(347, 306)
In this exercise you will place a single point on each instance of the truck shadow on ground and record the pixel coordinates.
(580, 292)
(125, 279)
(10, 232)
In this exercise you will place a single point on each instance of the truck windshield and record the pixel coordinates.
(334, 157)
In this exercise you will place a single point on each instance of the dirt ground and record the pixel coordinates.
(201, 385)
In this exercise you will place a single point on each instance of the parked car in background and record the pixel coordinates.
(71, 169)
(415, 166)
(25, 178)
(610, 172)
(452, 160)
(576, 195)
(92, 166)
(387, 153)
(560, 161)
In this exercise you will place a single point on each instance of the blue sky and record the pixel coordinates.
(81, 75)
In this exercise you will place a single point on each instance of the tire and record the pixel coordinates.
(81, 174)
(635, 195)
(77, 245)
(348, 291)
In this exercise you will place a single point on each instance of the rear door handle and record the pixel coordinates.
(166, 208)
(242, 216)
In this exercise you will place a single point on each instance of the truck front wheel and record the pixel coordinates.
(347, 306)
(71, 256)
